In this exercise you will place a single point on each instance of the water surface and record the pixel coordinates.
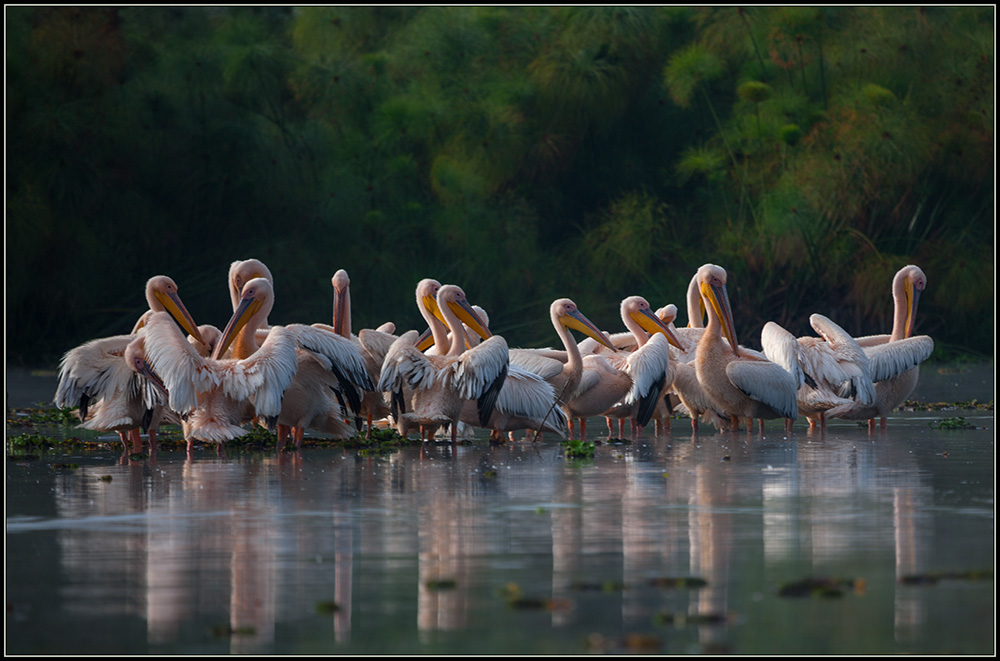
(514, 548)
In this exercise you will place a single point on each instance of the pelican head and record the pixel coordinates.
(911, 280)
(135, 357)
(256, 299)
(454, 298)
(341, 301)
(712, 283)
(637, 308)
(667, 314)
(568, 315)
(161, 295)
(242, 272)
(427, 291)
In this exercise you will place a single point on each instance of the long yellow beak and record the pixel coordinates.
(425, 341)
(172, 303)
(577, 321)
(463, 310)
(652, 324)
(718, 298)
(244, 311)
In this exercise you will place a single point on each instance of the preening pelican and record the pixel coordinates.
(894, 358)
(738, 383)
(218, 395)
(648, 367)
(834, 368)
(96, 378)
(441, 384)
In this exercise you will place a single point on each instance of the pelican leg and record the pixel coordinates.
(124, 439)
(583, 429)
(283, 432)
(152, 441)
(136, 439)
(299, 433)
(883, 425)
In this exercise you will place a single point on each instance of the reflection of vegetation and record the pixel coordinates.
(521, 152)
(822, 587)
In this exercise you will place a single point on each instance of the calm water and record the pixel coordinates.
(480, 549)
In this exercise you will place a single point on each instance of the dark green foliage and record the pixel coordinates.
(525, 153)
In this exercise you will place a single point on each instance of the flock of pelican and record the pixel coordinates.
(294, 377)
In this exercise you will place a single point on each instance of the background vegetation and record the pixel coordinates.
(525, 153)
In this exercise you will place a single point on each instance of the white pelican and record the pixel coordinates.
(530, 395)
(894, 358)
(834, 369)
(373, 404)
(217, 395)
(440, 384)
(685, 386)
(647, 367)
(563, 371)
(738, 383)
(525, 401)
(241, 272)
(96, 377)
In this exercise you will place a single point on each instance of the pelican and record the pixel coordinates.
(525, 401)
(217, 395)
(531, 395)
(894, 358)
(241, 272)
(685, 386)
(440, 384)
(835, 371)
(96, 378)
(563, 371)
(738, 383)
(373, 404)
(647, 367)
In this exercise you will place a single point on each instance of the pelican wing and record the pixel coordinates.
(894, 358)
(537, 362)
(480, 372)
(184, 371)
(92, 371)
(766, 382)
(781, 348)
(376, 343)
(525, 394)
(405, 364)
(344, 357)
(343, 353)
(866, 341)
(264, 376)
(649, 368)
(838, 361)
